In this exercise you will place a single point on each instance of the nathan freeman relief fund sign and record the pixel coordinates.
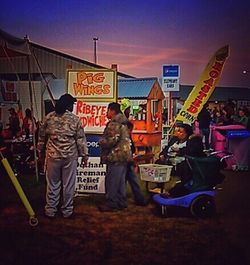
(94, 89)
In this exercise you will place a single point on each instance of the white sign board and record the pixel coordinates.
(92, 84)
(171, 78)
(91, 178)
(93, 115)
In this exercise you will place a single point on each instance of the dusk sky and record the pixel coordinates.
(140, 36)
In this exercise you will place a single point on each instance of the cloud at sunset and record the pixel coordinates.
(140, 36)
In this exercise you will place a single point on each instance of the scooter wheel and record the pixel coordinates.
(203, 206)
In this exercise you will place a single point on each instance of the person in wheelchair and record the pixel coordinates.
(193, 171)
(174, 153)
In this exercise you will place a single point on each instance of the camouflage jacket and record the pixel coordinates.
(63, 136)
(115, 141)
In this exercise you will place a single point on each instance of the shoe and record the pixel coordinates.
(122, 208)
(70, 217)
(105, 208)
(50, 217)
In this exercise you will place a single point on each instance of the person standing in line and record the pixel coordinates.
(66, 141)
(204, 119)
(14, 123)
(29, 124)
(131, 175)
(115, 153)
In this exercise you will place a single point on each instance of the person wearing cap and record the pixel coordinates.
(14, 123)
(115, 153)
(131, 177)
(125, 106)
(62, 137)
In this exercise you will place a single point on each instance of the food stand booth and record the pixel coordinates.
(146, 97)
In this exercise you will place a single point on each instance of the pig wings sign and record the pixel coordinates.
(92, 85)
(204, 88)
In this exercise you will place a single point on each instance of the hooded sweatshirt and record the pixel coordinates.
(115, 141)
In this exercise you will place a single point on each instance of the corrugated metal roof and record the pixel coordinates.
(219, 94)
(135, 87)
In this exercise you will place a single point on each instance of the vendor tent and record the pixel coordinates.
(11, 46)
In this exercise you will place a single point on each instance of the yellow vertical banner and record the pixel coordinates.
(204, 87)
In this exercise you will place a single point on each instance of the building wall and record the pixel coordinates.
(56, 64)
(49, 62)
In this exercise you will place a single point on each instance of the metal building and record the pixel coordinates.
(46, 65)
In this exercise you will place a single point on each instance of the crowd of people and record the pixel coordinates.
(62, 141)
(16, 140)
(228, 114)
(19, 126)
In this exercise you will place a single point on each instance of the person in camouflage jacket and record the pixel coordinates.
(62, 138)
(115, 153)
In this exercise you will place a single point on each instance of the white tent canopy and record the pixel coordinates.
(11, 46)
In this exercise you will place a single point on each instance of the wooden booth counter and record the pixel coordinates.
(147, 132)
(146, 96)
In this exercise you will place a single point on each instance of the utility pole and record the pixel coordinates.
(95, 39)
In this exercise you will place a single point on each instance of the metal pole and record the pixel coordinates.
(95, 45)
(33, 125)
(44, 79)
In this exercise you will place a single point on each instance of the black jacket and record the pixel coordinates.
(204, 119)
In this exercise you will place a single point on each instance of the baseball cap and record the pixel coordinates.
(125, 103)
(67, 99)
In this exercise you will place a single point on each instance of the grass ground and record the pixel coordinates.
(135, 236)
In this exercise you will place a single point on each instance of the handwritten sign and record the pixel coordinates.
(92, 115)
(91, 178)
(92, 85)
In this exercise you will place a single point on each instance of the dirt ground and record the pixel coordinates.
(138, 235)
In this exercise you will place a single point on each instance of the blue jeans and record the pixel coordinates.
(115, 186)
(132, 180)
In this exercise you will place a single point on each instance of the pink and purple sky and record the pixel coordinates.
(140, 35)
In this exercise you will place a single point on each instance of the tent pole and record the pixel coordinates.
(47, 84)
(33, 121)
